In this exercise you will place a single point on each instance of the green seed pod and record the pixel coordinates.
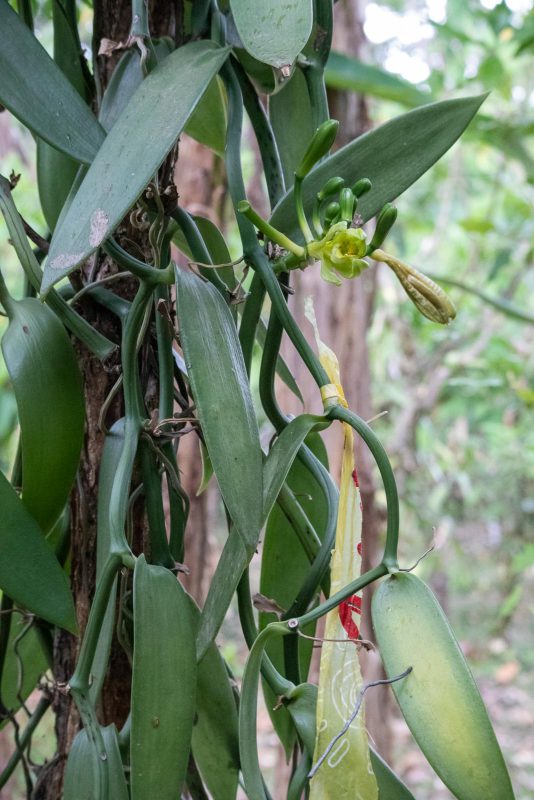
(439, 698)
(331, 214)
(332, 186)
(321, 142)
(347, 204)
(361, 187)
(384, 223)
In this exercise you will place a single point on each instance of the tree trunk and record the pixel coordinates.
(112, 20)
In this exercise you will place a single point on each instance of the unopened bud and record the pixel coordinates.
(321, 142)
(386, 220)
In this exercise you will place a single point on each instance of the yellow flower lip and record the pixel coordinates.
(340, 251)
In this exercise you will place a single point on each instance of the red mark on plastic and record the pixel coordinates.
(352, 605)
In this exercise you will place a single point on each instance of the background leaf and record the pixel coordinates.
(35, 90)
(347, 73)
(29, 571)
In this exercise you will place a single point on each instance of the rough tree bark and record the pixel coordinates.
(112, 20)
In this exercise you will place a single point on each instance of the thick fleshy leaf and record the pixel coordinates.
(215, 742)
(350, 74)
(392, 156)
(56, 171)
(208, 121)
(35, 90)
(220, 389)
(291, 119)
(81, 773)
(156, 113)
(126, 78)
(274, 31)
(29, 571)
(163, 684)
(48, 388)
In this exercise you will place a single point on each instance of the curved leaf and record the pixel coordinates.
(45, 376)
(215, 742)
(274, 31)
(81, 775)
(163, 684)
(156, 113)
(208, 121)
(291, 119)
(29, 571)
(392, 156)
(221, 392)
(35, 90)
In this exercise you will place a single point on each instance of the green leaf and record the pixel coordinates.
(392, 156)
(215, 742)
(347, 73)
(208, 121)
(274, 31)
(81, 773)
(56, 171)
(126, 78)
(291, 119)
(390, 786)
(124, 165)
(221, 392)
(163, 684)
(29, 571)
(35, 90)
(45, 376)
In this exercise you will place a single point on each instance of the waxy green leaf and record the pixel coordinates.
(392, 156)
(35, 90)
(55, 170)
(163, 684)
(221, 392)
(208, 121)
(274, 31)
(29, 571)
(291, 119)
(215, 742)
(48, 388)
(81, 773)
(156, 113)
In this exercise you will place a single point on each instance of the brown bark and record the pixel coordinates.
(111, 20)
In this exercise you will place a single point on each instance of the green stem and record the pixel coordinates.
(24, 740)
(301, 215)
(271, 233)
(351, 588)
(198, 248)
(149, 274)
(250, 319)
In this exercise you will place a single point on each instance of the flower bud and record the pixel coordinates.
(384, 223)
(427, 296)
(321, 142)
(346, 204)
(361, 187)
(332, 186)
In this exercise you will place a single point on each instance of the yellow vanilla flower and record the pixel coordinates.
(340, 253)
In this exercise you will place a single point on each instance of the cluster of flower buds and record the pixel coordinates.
(332, 238)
